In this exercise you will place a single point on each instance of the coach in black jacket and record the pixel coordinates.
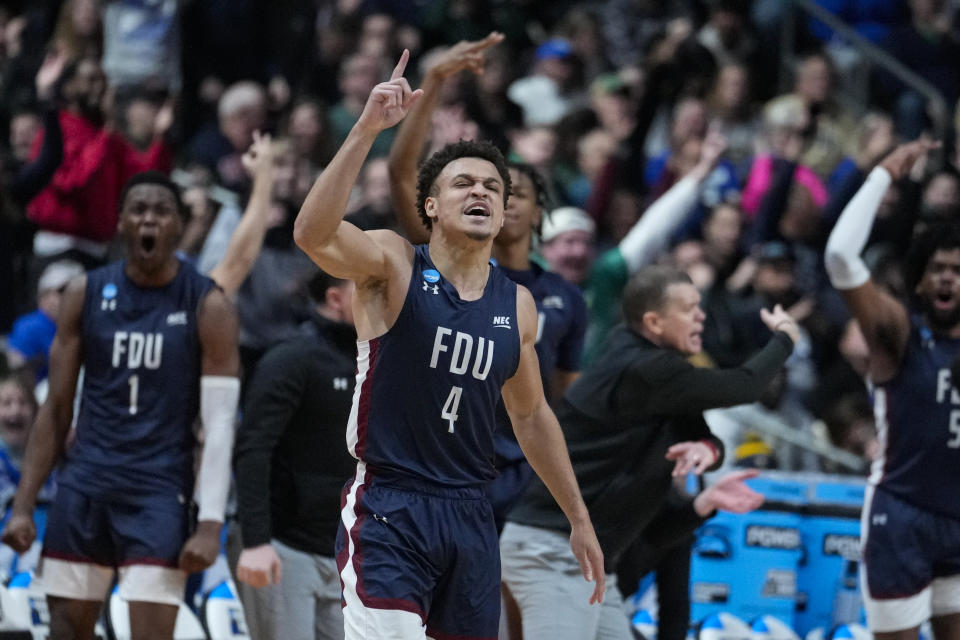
(633, 420)
(291, 463)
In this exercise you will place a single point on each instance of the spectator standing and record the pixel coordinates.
(77, 211)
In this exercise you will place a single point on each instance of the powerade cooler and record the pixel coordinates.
(747, 564)
(794, 559)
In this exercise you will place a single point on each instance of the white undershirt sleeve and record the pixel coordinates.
(651, 234)
(219, 396)
(849, 236)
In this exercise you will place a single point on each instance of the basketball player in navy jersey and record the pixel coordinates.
(911, 519)
(561, 309)
(158, 343)
(441, 334)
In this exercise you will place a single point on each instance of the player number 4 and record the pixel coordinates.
(450, 407)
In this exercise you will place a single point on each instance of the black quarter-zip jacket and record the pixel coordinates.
(620, 417)
(290, 458)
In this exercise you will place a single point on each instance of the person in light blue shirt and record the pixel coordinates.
(32, 333)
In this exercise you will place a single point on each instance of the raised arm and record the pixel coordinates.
(218, 331)
(338, 247)
(412, 133)
(542, 442)
(247, 238)
(45, 444)
(651, 234)
(884, 320)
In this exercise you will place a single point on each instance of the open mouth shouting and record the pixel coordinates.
(478, 209)
(944, 300)
(148, 243)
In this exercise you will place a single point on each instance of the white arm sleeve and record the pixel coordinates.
(849, 236)
(650, 235)
(218, 410)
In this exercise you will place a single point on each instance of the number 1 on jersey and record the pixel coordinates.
(449, 411)
(134, 382)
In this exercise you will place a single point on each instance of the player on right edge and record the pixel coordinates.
(911, 519)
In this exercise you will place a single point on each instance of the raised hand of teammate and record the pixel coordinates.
(201, 549)
(260, 566)
(695, 456)
(465, 55)
(899, 161)
(258, 158)
(389, 101)
(714, 144)
(586, 547)
(780, 320)
(730, 493)
(20, 532)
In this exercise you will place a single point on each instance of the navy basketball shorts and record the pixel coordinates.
(417, 561)
(87, 539)
(911, 562)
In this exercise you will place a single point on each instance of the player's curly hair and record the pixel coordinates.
(540, 192)
(431, 168)
(943, 234)
(159, 179)
(541, 195)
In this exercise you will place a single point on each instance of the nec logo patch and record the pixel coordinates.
(502, 322)
(180, 317)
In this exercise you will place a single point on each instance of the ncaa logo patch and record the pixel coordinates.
(431, 277)
(109, 294)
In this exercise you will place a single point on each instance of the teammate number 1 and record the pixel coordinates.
(134, 383)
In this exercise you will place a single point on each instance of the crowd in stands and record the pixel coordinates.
(622, 107)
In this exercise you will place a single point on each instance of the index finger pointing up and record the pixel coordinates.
(401, 66)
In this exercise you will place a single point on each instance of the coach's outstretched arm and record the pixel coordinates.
(45, 444)
(412, 133)
(338, 247)
(542, 442)
(884, 320)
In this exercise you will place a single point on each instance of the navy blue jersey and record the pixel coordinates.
(561, 325)
(918, 425)
(427, 390)
(141, 358)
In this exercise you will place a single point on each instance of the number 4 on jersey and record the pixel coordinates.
(450, 407)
